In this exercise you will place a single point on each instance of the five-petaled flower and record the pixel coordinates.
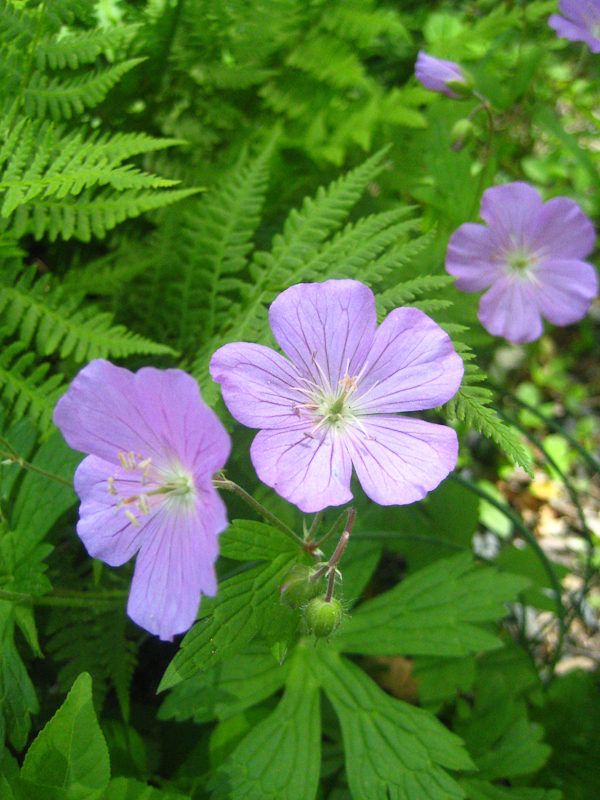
(332, 403)
(580, 23)
(146, 486)
(439, 75)
(530, 259)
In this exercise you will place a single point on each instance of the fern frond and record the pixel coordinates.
(303, 234)
(58, 325)
(472, 405)
(74, 48)
(90, 214)
(408, 291)
(94, 641)
(322, 215)
(342, 68)
(39, 161)
(25, 387)
(218, 231)
(355, 251)
(358, 21)
(62, 98)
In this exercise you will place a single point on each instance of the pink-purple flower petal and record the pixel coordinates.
(398, 460)
(562, 230)
(511, 211)
(412, 366)
(349, 375)
(99, 414)
(310, 469)
(174, 567)
(509, 309)
(472, 257)
(104, 529)
(566, 289)
(325, 329)
(580, 23)
(191, 429)
(260, 387)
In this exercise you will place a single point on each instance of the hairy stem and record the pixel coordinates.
(11, 455)
(230, 486)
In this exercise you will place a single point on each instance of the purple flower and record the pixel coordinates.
(331, 404)
(582, 23)
(146, 486)
(438, 75)
(529, 257)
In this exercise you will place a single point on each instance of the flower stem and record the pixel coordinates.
(313, 546)
(65, 598)
(11, 455)
(487, 148)
(329, 568)
(314, 526)
(230, 486)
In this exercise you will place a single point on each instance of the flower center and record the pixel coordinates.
(328, 406)
(154, 485)
(519, 261)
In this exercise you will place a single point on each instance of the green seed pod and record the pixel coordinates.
(297, 587)
(323, 617)
(461, 132)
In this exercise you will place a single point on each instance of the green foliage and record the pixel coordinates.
(320, 157)
(38, 312)
(23, 552)
(289, 737)
(96, 641)
(226, 689)
(245, 604)
(389, 745)
(64, 184)
(69, 759)
(26, 388)
(472, 406)
(437, 611)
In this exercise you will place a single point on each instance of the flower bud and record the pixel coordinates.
(297, 587)
(323, 617)
(461, 132)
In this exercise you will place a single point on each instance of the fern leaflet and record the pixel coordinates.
(59, 325)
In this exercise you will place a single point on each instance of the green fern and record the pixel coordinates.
(291, 259)
(26, 388)
(472, 405)
(37, 161)
(408, 291)
(217, 233)
(74, 48)
(62, 98)
(59, 184)
(57, 323)
(342, 69)
(90, 213)
(94, 641)
(359, 21)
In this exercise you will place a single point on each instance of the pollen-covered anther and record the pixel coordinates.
(349, 383)
(127, 460)
(132, 518)
(145, 465)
